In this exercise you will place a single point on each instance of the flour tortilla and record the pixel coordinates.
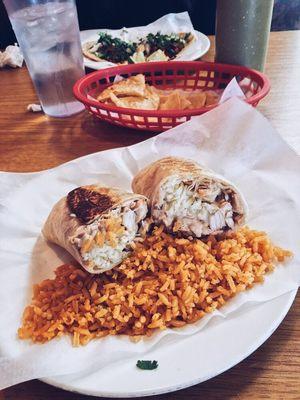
(72, 215)
(151, 180)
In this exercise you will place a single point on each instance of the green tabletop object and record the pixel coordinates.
(242, 32)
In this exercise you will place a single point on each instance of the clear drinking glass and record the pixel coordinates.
(48, 35)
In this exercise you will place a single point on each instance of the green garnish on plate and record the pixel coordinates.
(114, 49)
(170, 44)
(147, 364)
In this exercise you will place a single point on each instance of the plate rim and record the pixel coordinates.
(200, 35)
(148, 392)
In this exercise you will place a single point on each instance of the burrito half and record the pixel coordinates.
(97, 225)
(190, 199)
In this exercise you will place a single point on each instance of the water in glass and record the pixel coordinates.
(48, 35)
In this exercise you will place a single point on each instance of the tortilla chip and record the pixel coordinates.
(132, 86)
(135, 102)
(185, 101)
(170, 102)
(162, 93)
(176, 100)
(152, 95)
(158, 55)
(212, 97)
(197, 99)
(138, 57)
(135, 93)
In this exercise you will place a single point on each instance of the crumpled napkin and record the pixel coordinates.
(11, 56)
(34, 107)
(233, 139)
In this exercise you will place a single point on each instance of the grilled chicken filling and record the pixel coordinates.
(197, 209)
(107, 241)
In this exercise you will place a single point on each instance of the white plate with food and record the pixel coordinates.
(194, 360)
(150, 311)
(171, 37)
(201, 45)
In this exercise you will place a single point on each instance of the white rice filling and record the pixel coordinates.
(196, 214)
(105, 257)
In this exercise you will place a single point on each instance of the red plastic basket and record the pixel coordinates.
(172, 74)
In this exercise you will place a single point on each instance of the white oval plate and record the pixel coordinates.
(189, 362)
(203, 45)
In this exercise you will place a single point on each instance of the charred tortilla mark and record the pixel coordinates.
(87, 204)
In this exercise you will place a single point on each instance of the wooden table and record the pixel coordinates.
(33, 142)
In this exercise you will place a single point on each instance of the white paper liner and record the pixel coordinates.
(234, 140)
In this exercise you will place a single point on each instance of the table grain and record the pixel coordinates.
(34, 142)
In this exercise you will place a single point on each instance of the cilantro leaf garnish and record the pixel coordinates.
(171, 44)
(114, 49)
(147, 364)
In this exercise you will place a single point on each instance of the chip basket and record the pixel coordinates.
(187, 75)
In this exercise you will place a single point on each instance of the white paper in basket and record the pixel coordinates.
(167, 24)
(233, 139)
